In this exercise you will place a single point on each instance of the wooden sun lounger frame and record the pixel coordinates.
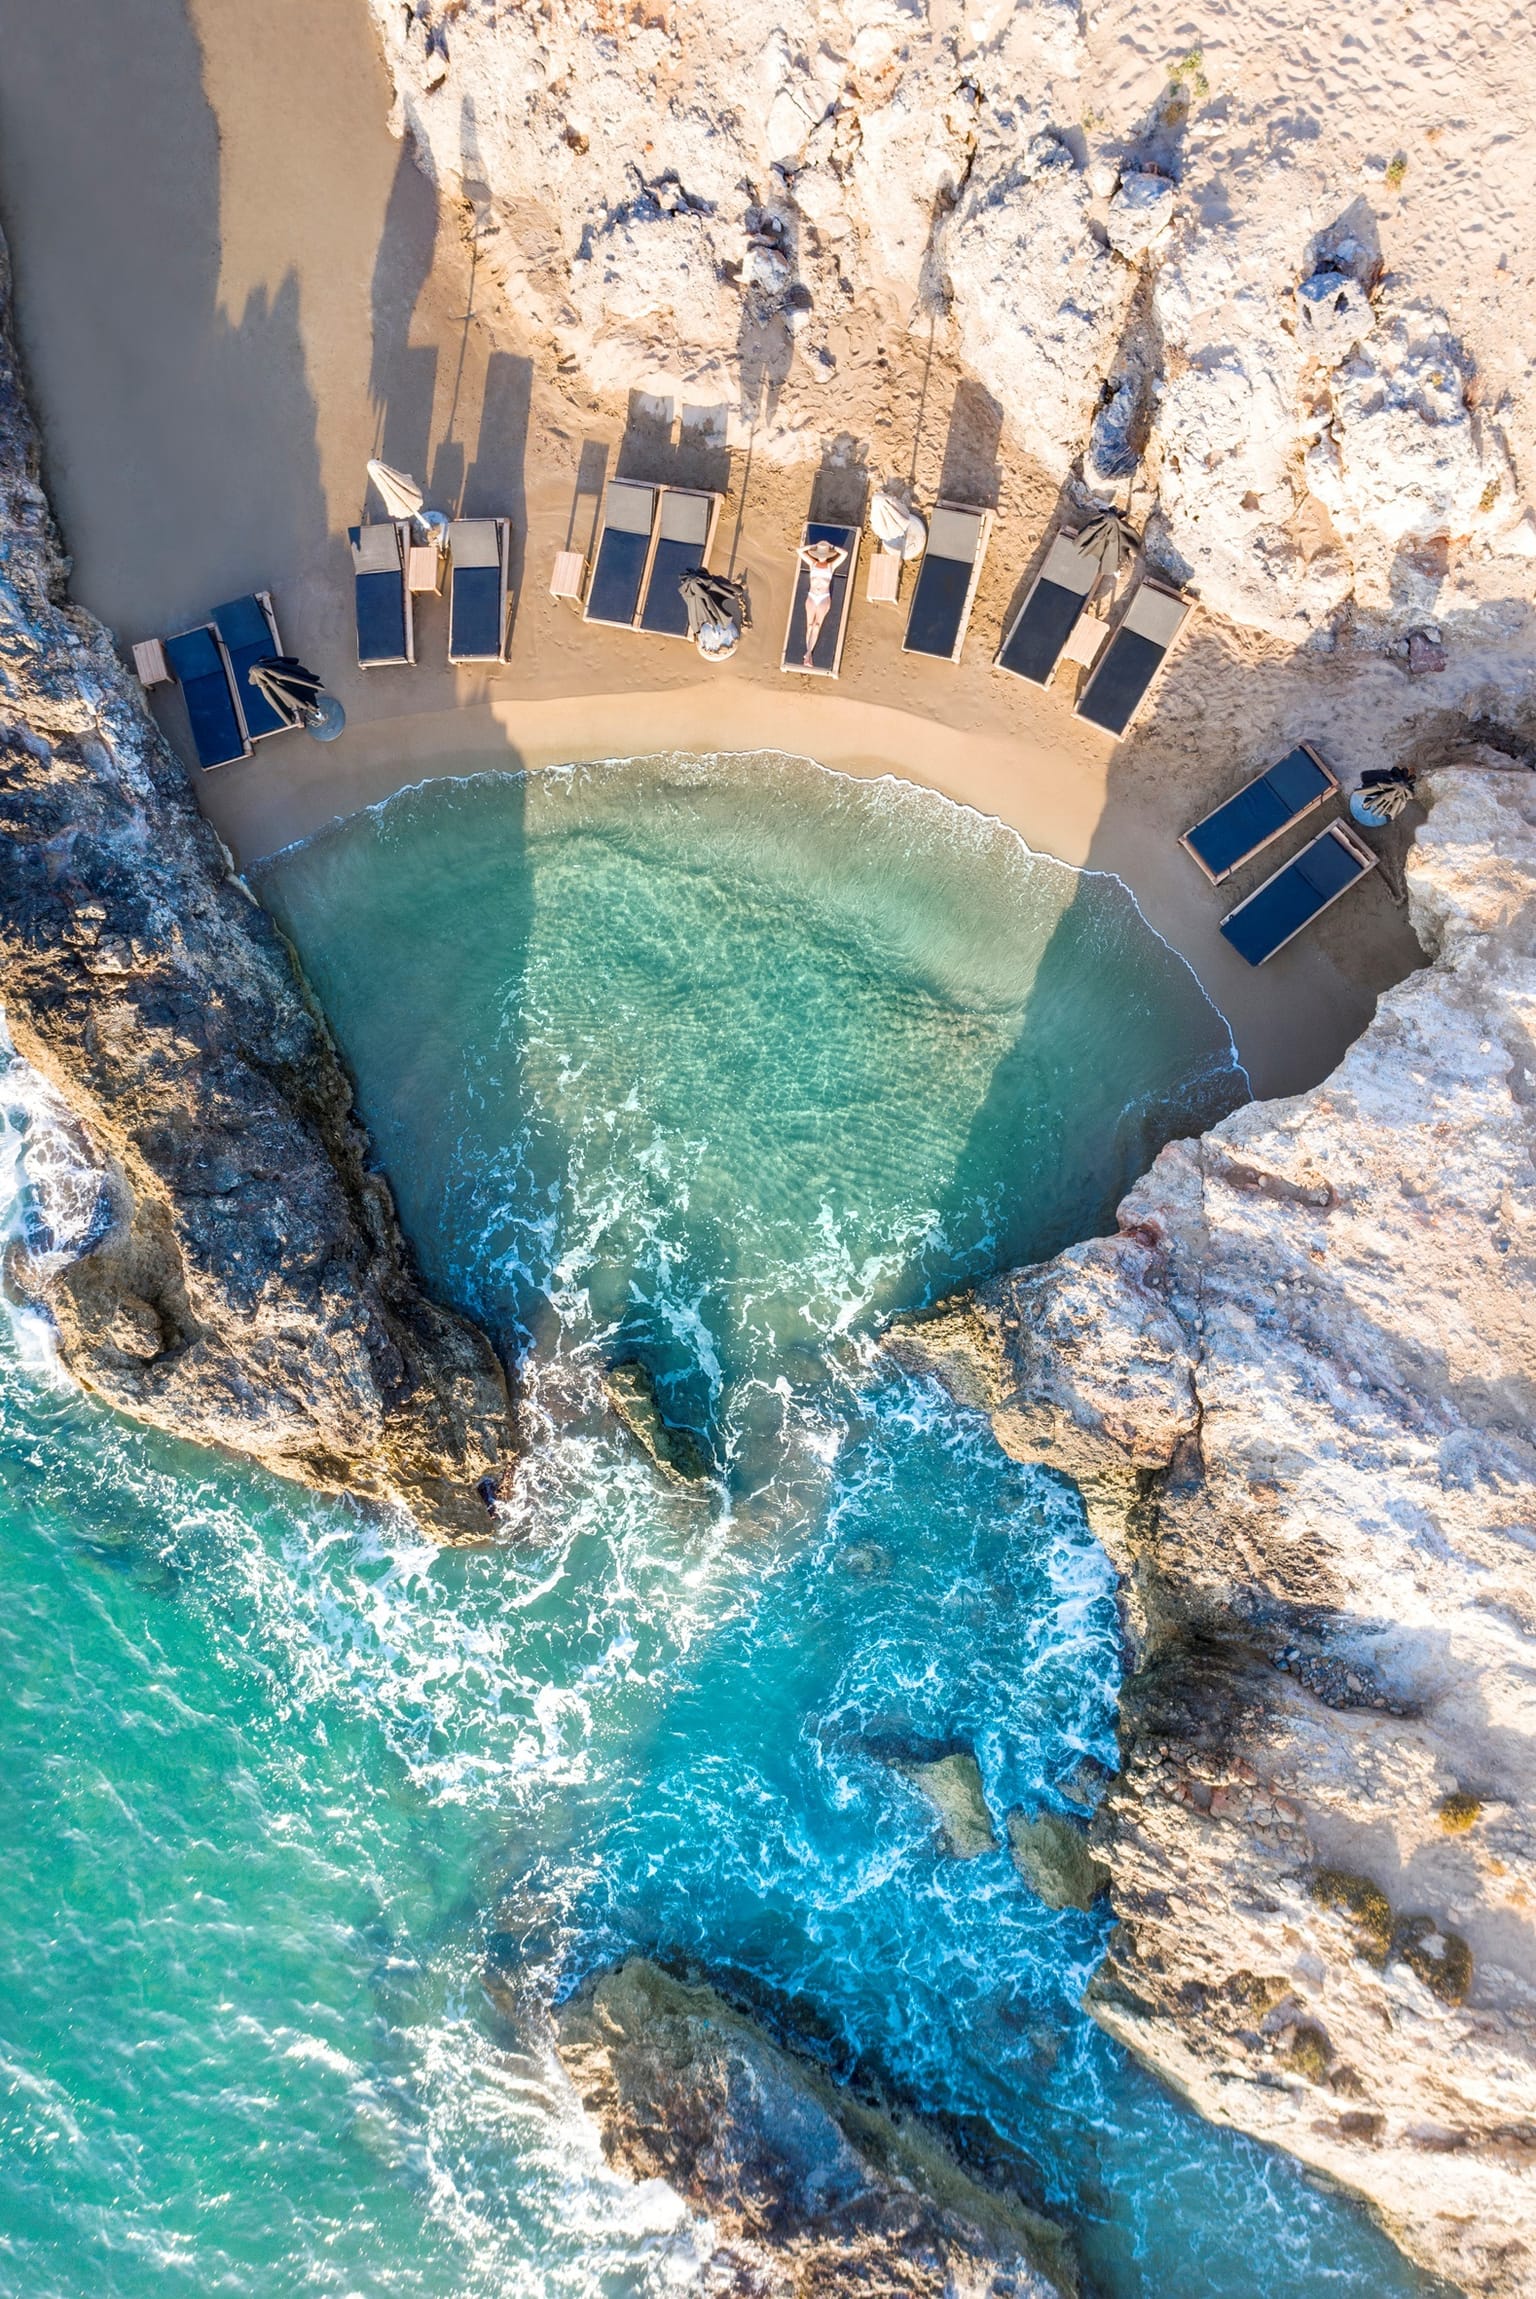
(986, 519)
(205, 766)
(402, 533)
(1158, 591)
(1338, 830)
(503, 529)
(850, 572)
(264, 601)
(659, 491)
(1220, 877)
(716, 502)
(1044, 575)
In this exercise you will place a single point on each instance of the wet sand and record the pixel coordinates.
(234, 286)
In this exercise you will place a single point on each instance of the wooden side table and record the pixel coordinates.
(424, 567)
(565, 581)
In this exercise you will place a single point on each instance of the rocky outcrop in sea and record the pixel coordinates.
(814, 2190)
(1296, 1392)
(202, 1226)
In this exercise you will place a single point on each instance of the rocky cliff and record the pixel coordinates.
(1298, 1393)
(200, 1222)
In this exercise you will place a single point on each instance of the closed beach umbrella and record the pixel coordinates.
(398, 491)
(1108, 539)
(297, 695)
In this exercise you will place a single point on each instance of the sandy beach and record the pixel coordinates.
(234, 286)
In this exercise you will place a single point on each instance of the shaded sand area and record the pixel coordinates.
(234, 286)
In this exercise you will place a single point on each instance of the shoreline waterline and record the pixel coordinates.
(913, 784)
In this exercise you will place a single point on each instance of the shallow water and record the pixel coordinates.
(712, 1064)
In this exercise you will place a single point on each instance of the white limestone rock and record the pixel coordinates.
(1038, 301)
(1296, 1390)
(1140, 215)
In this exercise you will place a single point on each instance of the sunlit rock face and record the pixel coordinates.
(1296, 1390)
(1181, 285)
(204, 1238)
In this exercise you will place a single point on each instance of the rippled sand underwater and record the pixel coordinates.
(714, 1063)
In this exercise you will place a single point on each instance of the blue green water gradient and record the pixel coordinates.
(714, 1063)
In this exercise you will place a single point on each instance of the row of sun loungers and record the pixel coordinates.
(212, 664)
(1238, 830)
(479, 591)
(650, 538)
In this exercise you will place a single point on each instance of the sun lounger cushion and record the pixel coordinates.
(682, 536)
(383, 634)
(477, 592)
(242, 625)
(942, 594)
(629, 513)
(1312, 879)
(1131, 661)
(1049, 615)
(1257, 813)
(197, 661)
(829, 645)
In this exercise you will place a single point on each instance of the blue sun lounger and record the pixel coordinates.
(201, 668)
(945, 589)
(1032, 646)
(1310, 883)
(1255, 815)
(479, 560)
(684, 533)
(1125, 672)
(827, 658)
(247, 629)
(623, 554)
(386, 631)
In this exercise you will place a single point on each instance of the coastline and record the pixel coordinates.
(284, 350)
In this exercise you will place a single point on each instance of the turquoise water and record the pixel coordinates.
(307, 1822)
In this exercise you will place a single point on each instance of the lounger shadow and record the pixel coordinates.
(1126, 671)
(201, 667)
(623, 553)
(1033, 641)
(479, 589)
(1310, 883)
(685, 531)
(386, 627)
(827, 658)
(1253, 817)
(247, 629)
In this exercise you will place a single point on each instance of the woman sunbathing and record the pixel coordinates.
(821, 562)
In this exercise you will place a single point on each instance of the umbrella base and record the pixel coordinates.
(328, 720)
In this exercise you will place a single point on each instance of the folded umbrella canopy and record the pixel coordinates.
(398, 491)
(1107, 538)
(297, 695)
(718, 611)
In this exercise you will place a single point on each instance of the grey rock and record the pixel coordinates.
(952, 1785)
(813, 2190)
(1052, 1856)
(677, 1452)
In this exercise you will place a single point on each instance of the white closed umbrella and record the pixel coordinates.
(398, 491)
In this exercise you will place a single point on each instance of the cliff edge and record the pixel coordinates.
(200, 1223)
(1298, 1393)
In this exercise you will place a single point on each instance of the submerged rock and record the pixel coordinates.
(815, 2191)
(677, 1452)
(223, 1263)
(952, 1785)
(1295, 1393)
(1053, 1858)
